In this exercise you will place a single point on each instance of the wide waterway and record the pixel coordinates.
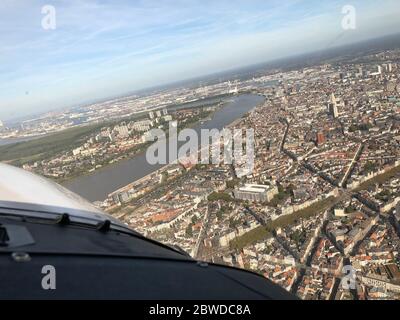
(99, 184)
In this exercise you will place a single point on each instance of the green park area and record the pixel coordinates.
(264, 232)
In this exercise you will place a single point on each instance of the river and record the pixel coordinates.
(99, 184)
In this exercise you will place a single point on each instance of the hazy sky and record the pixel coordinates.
(102, 48)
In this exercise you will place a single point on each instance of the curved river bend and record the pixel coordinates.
(98, 185)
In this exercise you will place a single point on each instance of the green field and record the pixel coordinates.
(42, 148)
(48, 146)
(264, 232)
(379, 179)
(253, 236)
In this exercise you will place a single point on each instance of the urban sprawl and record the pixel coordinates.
(322, 195)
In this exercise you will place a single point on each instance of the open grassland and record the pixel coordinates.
(45, 147)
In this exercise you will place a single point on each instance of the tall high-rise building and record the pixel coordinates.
(333, 99)
(151, 115)
(320, 138)
(143, 125)
(123, 130)
(334, 110)
(1, 124)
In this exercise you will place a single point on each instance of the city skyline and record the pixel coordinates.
(258, 140)
(316, 195)
(99, 50)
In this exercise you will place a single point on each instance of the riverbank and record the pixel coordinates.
(97, 186)
(162, 170)
(140, 148)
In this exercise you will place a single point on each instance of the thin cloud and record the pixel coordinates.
(101, 48)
